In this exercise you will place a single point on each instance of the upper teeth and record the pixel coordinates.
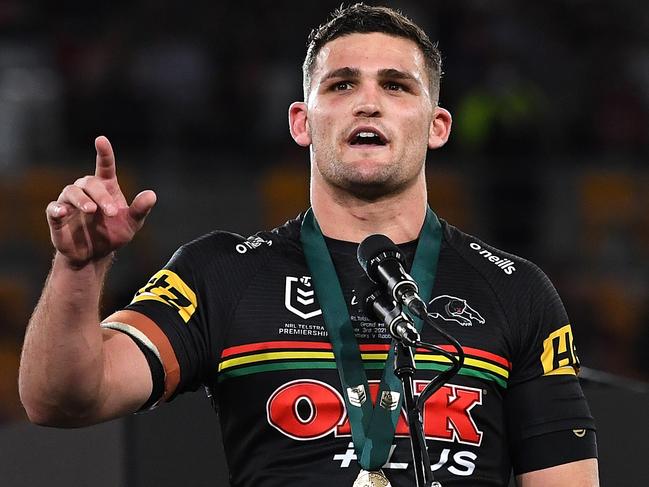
(367, 134)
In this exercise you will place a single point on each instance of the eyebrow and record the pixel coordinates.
(392, 73)
(355, 73)
(345, 72)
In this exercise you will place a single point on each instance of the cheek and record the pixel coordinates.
(416, 129)
(322, 126)
(326, 115)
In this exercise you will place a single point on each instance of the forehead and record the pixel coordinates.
(371, 52)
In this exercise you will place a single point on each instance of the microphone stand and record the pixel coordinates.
(390, 313)
(404, 369)
(381, 260)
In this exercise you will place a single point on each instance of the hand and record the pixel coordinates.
(91, 217)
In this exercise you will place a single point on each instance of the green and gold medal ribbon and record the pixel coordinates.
(372, 427)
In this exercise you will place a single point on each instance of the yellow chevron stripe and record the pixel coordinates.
(264, 357)
(467, 361)
(374, 356)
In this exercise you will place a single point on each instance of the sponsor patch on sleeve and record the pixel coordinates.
(167, 287)
(559, 356)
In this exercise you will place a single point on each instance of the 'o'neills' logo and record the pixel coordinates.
(252, 243)
(505, 264)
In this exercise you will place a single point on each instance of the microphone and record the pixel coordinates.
(389, 312)
(383, 263)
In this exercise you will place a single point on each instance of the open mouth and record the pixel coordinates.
(367, 137)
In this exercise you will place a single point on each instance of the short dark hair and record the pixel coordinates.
(364, 19)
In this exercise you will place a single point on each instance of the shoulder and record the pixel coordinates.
(221, 246)
(529, 302)
(501, 268)
(520, 286)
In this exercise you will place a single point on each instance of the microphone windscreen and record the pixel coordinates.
(373, 246)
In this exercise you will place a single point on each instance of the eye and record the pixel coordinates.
(393, 86)
(341, 86)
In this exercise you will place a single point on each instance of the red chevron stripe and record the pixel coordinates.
(254, 347)
(476, 352)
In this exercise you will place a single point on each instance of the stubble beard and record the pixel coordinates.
(379, 182)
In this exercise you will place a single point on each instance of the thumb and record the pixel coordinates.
(141, 205)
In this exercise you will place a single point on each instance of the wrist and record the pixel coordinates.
(97, 266)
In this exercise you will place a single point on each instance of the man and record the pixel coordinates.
(240, 315)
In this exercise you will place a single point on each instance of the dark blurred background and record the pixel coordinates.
(547, 159)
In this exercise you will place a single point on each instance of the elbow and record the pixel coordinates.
(36, 412)
(42, 413)
(29, 398)
(39, 417)
(55, 418)
(59, 406)
(39, 413)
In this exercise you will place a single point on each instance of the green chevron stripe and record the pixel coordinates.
(465, 371)
(311, 365)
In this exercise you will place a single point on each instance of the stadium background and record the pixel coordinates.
(547, 159)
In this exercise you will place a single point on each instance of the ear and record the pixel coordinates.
(440, 128)
(298, 124)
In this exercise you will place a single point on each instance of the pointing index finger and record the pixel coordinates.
(105, 165)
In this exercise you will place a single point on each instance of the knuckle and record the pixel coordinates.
(67, 190)
(53, 211)
(83, 181)
(72, 194)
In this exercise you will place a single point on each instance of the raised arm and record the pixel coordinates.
(73, 373)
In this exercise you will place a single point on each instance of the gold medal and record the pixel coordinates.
(371, 479)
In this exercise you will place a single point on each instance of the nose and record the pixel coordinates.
(367, 102)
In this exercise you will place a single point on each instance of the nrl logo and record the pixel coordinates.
(451, 308)
(389, 400)
(299, 297)
(356, 395)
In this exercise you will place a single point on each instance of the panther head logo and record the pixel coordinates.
(451, 308)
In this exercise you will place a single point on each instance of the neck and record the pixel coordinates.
(345, 216)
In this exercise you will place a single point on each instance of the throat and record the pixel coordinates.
(354, 224)
(344, 214)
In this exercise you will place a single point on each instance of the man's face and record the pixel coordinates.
(369, 113)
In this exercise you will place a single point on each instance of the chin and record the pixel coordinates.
(371, 193)
(371, 170)
(368, 178)
(369, 187)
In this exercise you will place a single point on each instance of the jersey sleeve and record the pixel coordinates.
(549, 421)
(168, 316)
(546, 344)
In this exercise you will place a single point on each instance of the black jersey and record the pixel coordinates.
(240, 316)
